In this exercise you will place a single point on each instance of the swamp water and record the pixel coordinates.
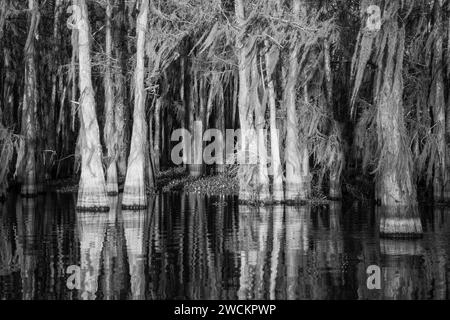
(187, 246)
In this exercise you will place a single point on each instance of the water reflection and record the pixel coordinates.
(91, 229)
(136, 226)
(28, 239)
(185, 246)
(7, 255)
(401, 267)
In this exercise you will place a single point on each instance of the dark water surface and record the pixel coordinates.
(186, 246)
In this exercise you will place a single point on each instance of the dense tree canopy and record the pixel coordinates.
(329, 95)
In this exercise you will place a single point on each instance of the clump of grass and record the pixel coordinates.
(177, 179)
(221, 184)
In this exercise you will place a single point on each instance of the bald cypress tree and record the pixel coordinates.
(110, 131)
(395, 182)
(29, 106)
(137, 173)
(296, 155)
(92, 187)
(248, 152)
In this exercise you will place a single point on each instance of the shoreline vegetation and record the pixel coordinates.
(177, 179)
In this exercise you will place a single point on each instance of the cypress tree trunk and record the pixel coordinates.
(157, 135)
(110, 128)
(447, 119)
(3, 8)
(263, 177)
(335, 192)
(56, 79)
(184, 96)
(8, 87)
(197, 118)
(120, 107)
(92, 187)
(190, 125)
(137, 175)
(120, 116)
(2, 81)
(248, 151)
(397, 190)
(277, 184)
(220, 125)
(29, 111)
(437, 105)
(296, 151)
(149, 162)
(235, 100)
